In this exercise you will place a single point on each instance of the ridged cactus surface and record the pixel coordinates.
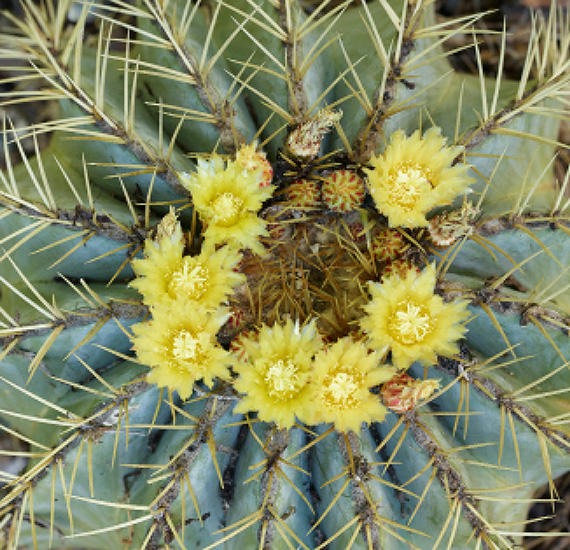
(282, 279)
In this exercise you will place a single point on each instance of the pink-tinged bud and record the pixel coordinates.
(388, 244)
(237, 346)
(400, 267)
(304, 193)
(251, 160)
(236, 319)
(403, 393)
(343, 191)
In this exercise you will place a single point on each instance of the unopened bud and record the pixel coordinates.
(169, 226)
(446, 228)
(403, 393)
(251, 160)
(343, 191)
(305, 141)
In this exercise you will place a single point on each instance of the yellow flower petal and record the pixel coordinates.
(343, 376)
(155, 269)
(179, 343)
(243, 234)
(275, 379)
(166, 275)
(406, 316)
(227, 199)
(414, 175)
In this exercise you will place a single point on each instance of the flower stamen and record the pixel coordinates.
(282, 379)
(411, 323)
(227, 208)
(185, 346)
(408, 182)
(341, 389)
(190, 280)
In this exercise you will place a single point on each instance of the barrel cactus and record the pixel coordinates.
(281, 279)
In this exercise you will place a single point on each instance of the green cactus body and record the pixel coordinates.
(112, 460)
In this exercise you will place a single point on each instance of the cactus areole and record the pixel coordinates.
(281, 279)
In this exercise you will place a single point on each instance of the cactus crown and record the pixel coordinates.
(281, 279)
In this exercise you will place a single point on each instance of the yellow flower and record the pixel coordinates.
(165, 274)
(161, 258)
(227, 200)
(343, 376)
(406, 316)
(275, 379)
(179, 344)
(414, 175)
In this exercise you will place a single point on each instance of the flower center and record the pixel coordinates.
(192, 279)
(411, 323)
(227, 208)
(407, 183)
(341, 389)
(185, 347)
(283, 380)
